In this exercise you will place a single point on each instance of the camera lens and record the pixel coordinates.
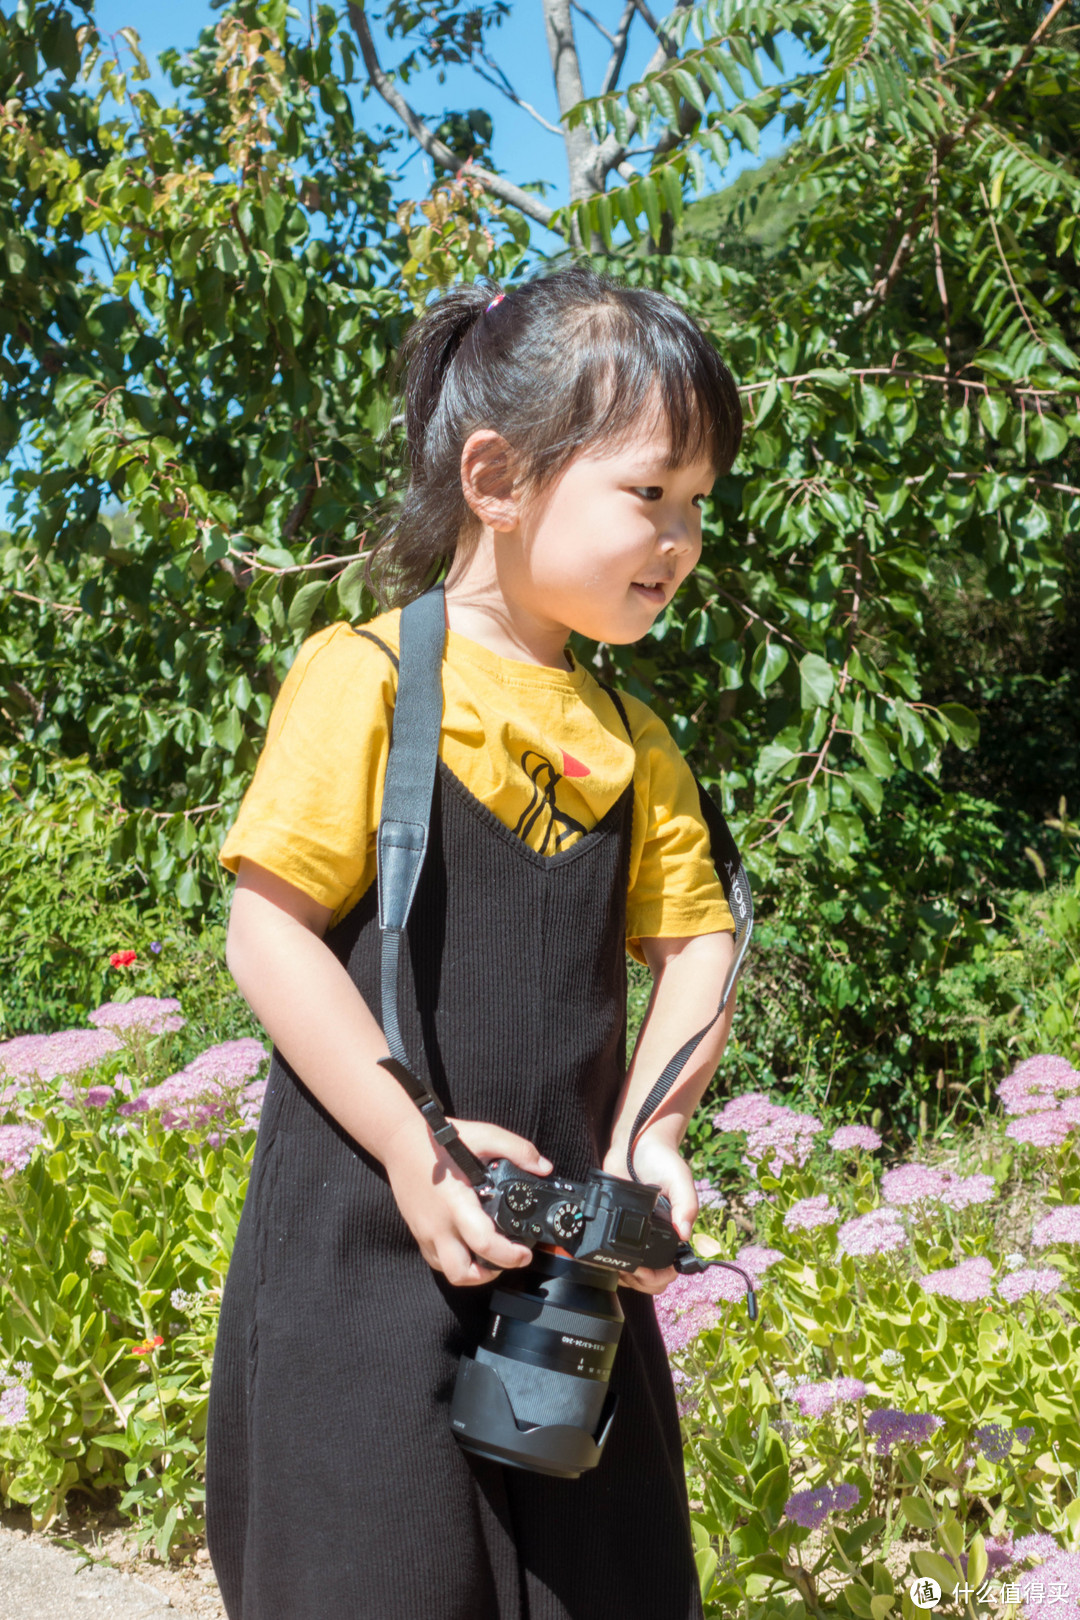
(552, 1337)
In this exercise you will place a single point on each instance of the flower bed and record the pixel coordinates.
(904, 1408)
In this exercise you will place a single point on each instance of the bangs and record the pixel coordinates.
(638, 362)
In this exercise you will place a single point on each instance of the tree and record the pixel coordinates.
(195, 412)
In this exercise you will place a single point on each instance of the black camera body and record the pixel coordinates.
(602, 1221)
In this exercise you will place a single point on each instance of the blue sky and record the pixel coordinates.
(523, 149)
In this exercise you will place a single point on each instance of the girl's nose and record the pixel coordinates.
(678, 536)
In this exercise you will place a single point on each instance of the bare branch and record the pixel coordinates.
(618, 52)
(425, 137)
(597, 24)
(667, 44)
(498, 80)
(611, 151)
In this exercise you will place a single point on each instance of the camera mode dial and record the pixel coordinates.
(519, 1197)
(567, 1221)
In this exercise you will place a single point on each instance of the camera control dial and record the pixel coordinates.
(567, 1221)
(519, 1197)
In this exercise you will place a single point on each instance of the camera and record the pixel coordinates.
(536, 1395)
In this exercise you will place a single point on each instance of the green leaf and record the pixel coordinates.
(993, 410)
(1048, 437)
(867, 786)
(808, 804)
(876, 753)
(767, 665)
(937, 1569)
(917, 1512)
(816, 680)
(963, 726)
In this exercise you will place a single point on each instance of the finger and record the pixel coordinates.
(461, 1267)
(494, 1142)
(486, 1242)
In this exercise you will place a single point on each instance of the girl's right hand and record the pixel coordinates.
(441, 1208)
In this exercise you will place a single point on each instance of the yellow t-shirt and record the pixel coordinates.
(544, 749)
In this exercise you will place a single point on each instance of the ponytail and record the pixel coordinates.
(553, 365)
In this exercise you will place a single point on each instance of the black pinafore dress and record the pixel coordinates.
(335, 1487)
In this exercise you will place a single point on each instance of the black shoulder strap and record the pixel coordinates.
(403, 839)
(402, 845)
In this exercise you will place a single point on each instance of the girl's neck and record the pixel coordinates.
(477, 606)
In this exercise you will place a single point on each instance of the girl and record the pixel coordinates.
(562, 438)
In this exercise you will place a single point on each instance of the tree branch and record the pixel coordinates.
(498, 80)
(425, 137)
(667, 44)
(618, 51)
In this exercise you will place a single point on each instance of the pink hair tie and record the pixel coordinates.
(496, 300)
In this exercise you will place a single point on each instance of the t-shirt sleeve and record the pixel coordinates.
(674, 888)
(311, 812)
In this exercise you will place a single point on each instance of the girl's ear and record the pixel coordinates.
(487, 480)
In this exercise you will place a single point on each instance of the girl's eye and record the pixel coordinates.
(650, 492)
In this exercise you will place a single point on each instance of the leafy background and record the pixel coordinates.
(875, 664)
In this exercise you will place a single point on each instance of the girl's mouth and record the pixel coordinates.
(656, 594)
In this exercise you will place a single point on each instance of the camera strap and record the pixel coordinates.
(402, 845)
(403, 839)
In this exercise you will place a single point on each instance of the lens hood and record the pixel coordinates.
(483, 1422)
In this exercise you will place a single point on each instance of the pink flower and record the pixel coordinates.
(747, 1112)
(785, 1139)
(911, 1184)
(1043, 1130)
(17, 1143)
(970, 1280)
(962, 1191)
(155, 1014)
(1029, 1280)
(99, 1096)
(691, 1305)
(208, 1085)
(755, 1259)
(1033, 1083)
(855, 1136)
(1062, 1225)
(1052, 1592)
(1038, 1547)
(814, 1400)
(46, 1057)
(807, 1212)
(873, 1233)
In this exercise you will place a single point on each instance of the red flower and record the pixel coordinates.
(148, 1346)
(122, 958)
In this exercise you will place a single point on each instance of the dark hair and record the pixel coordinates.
(555, 365)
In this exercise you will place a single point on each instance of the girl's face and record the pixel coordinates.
(604, 548)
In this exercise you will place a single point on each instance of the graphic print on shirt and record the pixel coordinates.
(544, 777)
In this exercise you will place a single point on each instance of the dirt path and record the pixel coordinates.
(39, 1581)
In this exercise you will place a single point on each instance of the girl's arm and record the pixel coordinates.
(688, 977)
(303, 997)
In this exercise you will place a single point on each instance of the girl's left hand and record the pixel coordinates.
(659, 1162)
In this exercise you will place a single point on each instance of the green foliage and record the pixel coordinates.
(201, 302)
(111, 1241)
(66, 907)
(826, 1314)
